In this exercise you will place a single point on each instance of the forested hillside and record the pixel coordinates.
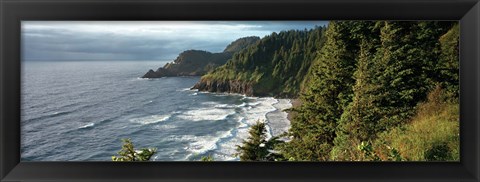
(199, 62)
(368, 91)
(275, 66)
(366, 95)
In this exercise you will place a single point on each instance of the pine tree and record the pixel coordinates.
(276, 66)
(358, 120)
(207, 159)
(394, 73)
(328, 92)
(128, 153)
(255, 147)
(448, 66)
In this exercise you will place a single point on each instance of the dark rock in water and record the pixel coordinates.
(198, 62)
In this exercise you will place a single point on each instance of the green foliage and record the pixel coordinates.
(257, 147)
(254, 148)
(198, 62)
(241, 43)
(327, 92)
(448, 67)
(128, 153)
(368, 78)
(276, 65)
(207, 159)
(433, 134)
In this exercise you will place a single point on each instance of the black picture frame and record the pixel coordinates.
(12, 12)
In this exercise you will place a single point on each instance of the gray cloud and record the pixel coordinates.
(79, 40)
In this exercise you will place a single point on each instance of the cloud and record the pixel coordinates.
(138, 40)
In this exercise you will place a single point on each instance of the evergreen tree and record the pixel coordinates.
(275, 66)
(255, 147)
(128, 153)
(207, 159)
(448, 67)
(328, 92)
(389, 83)
(358, 120)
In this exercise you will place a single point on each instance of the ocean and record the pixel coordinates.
(80, 111)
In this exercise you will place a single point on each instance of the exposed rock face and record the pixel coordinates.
(225, 86)
(198, 62)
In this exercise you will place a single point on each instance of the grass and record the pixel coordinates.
(432, 135)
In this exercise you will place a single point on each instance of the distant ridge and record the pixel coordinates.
(199, 62)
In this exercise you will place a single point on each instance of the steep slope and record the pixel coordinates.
(198, 62)
(370, 78)
(275, 66)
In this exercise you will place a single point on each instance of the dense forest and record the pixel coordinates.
(369, 90)
(366, 91)
(380, 91)
(274, 66)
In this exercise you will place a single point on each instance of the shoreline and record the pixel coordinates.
(278, 121)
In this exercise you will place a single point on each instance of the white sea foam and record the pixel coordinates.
(254, 103)
(89, 125)
(243, 104)
(210, 103)
(278, 119)
(268, 110)
(139, 78)
(150, 119)
(228, 106)
(184, 90)
(256, 109)
(197, 145)
(202, 114)
(164, 127)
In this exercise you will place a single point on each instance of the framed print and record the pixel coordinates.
(239, 90)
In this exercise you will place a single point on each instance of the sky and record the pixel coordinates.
(138, 40)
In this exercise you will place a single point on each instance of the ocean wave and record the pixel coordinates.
(150, 101)
(164, 127)
(278, 120)
(150, 119)
(243, 104)
(210, 103)
(140, 78)
(89, 125)
(59, 113)
(225, 106)
(255, 109)
(203, 114)
(259, 111)
(198, 145)
(46, 115)
(185, 89)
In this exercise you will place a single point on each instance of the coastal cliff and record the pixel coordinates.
(199, 62)
(231, 86)
(275, 66)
